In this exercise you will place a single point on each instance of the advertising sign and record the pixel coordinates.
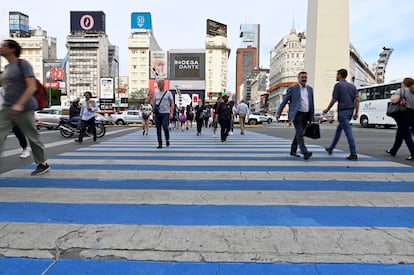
(141, 20)
(159, 61)
(107, 88)
(216, 29)
(87, 21)
(189, 66)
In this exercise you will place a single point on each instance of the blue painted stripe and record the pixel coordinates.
(110, 267)
(18, 266)
(207, 215)
(227, 168)
(224, 184)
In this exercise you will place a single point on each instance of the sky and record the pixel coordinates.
(181, 24)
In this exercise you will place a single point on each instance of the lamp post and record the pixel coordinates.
(117, 82)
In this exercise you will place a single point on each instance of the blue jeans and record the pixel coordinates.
(344, 116)
(161, 122)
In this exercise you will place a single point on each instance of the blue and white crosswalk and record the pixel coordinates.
(202, 206)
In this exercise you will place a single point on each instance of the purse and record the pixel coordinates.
(393, 109)
(312, 131)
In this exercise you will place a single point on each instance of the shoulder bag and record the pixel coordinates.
(157, 106)
(393, 109)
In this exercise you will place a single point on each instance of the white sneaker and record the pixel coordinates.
(214, 135)
(231, 133)
(25, 154)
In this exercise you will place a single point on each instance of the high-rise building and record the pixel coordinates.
(89, 56)
(217, 56)
(250, 36)
(286, 61)
(140, 45)
(247, 56)
(40, 50)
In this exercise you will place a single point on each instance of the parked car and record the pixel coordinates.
(48, 117)
(320, 118)
(260, 117)
(128, 117)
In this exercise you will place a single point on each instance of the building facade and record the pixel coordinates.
(247, 56)
(217, 68)
(91, 58)
(286, 61)
(288, 58)
(246, 59)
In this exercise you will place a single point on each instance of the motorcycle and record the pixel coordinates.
(68, 128)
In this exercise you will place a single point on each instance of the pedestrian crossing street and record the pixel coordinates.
(202, 206)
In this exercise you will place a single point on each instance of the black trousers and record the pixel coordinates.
(300, 122)
(225, 128)
(87, 124)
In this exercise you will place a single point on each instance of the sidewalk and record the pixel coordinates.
(206, 207)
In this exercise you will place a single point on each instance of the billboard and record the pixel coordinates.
(141, 21)
(216, 29)
(18, 24)
(187, 66)
(107, 88)
(87, 21)
(153, 86)
(159, 61)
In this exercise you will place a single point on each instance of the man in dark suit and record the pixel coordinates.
(301, 111)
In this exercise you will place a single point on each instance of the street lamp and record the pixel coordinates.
(117, 82)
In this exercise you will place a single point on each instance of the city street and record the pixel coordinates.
(121, 206)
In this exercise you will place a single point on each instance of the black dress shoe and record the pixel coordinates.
(390, 152)
(294, 155)
(329, 150)
(307, 155)
(159, 146)
(352, 157)
(168, 143)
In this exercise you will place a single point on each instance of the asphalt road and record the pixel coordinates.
(370, 141)
(55, 145)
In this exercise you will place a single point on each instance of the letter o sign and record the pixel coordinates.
(87, 22)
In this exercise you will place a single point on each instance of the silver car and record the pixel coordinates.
(48, 117)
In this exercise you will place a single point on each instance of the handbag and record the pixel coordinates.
(312, 131)
(393, 109)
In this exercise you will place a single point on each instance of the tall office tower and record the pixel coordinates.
(140, 45)
(88, 53)
(247, 56)
(250, 36)
(217, 54)
(327, 46)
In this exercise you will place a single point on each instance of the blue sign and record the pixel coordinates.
(141, 20)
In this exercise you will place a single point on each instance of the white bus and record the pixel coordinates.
(373, 105)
